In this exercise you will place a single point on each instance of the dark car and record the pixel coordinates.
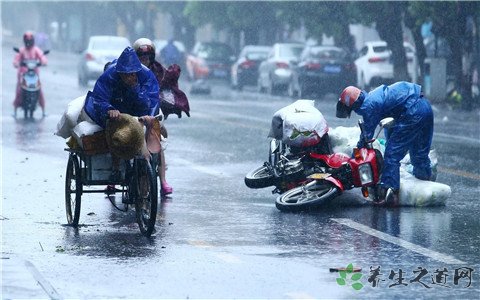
(210, 60)
(245, 69)
(322, 69)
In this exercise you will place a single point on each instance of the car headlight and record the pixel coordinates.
(366, 174)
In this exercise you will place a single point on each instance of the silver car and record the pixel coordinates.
(100, 50)
(275, 72)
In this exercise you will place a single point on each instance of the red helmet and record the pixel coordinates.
(28, 39)
(345, 102)
(144, 46)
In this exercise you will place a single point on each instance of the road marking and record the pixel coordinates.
(46, 286)
(459, 173)
(399, 242)
(200, 168)
(457, 137)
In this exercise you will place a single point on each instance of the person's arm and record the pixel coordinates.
(17, 59)
(103, 92)
(148, 96)
(40, 56)
(371, 114)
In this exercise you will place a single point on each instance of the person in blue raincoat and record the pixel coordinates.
(412, 132)
(126, 86)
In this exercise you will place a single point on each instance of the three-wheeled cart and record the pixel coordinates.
(136, 179)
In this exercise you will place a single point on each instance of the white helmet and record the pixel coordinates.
(144, 46)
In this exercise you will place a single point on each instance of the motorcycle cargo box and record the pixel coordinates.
(95, 143)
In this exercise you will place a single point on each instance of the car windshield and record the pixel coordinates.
(216, 51)
(291, 51)
(379, 49)
(110, 44)
(257, 55)
(328, 53)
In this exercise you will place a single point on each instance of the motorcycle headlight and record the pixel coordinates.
(366, 174)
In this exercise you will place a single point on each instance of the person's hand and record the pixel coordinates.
(113, 114)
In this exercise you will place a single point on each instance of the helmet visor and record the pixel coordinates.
(343, 111)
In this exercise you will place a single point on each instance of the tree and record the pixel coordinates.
(387, 17)
(449, 20)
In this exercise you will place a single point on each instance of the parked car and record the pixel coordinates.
(322, 69)
(99, 51)
(160, 44)
(245, 69)
(275, 72)
(210, 60)
(374, 64)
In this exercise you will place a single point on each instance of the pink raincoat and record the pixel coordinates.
(25, 53)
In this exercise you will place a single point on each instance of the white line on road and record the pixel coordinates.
(402, 243)
(457, 137)
(47, 287)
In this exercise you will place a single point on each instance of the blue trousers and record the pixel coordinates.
(412, 133)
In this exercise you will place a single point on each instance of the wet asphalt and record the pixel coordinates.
(214, 237)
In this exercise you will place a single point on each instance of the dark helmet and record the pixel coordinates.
(28, 39)
(344, 105)
(144, 46)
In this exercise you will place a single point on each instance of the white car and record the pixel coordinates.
(374, 64)
(100, 50)
(275, 72)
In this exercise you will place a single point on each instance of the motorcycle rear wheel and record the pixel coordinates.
(259, 178)
(306, 197)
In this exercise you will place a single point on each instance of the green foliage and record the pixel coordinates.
(344, 274)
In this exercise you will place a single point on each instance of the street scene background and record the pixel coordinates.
(214, 237)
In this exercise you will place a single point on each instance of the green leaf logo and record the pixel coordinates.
(348, 275)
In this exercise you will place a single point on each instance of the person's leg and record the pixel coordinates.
(41, 101)
(165, 187)
(17, 102)
(420, 147)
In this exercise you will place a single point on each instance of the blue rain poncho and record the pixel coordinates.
(412, 132)
(110, 93)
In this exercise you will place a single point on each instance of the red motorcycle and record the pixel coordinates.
(340, 172)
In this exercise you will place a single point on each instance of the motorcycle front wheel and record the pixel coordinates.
(259, 178)
(306, 197)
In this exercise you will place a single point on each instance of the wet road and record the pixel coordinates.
(215, 238)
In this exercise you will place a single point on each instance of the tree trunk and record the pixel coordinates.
(389, 27)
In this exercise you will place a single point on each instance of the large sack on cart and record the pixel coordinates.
(70, 117)
(299, 124)
(126, 137)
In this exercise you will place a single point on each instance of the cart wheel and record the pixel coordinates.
(73, 190)
(145, 183)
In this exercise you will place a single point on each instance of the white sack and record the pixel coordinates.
(344, 139)
(299, 124)
(413, 191)
(70, 117)
(416, 192)
(84, 128)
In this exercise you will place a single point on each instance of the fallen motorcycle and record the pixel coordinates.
(30, 85)
(287, 167)
(297, 130)
(339, 172)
